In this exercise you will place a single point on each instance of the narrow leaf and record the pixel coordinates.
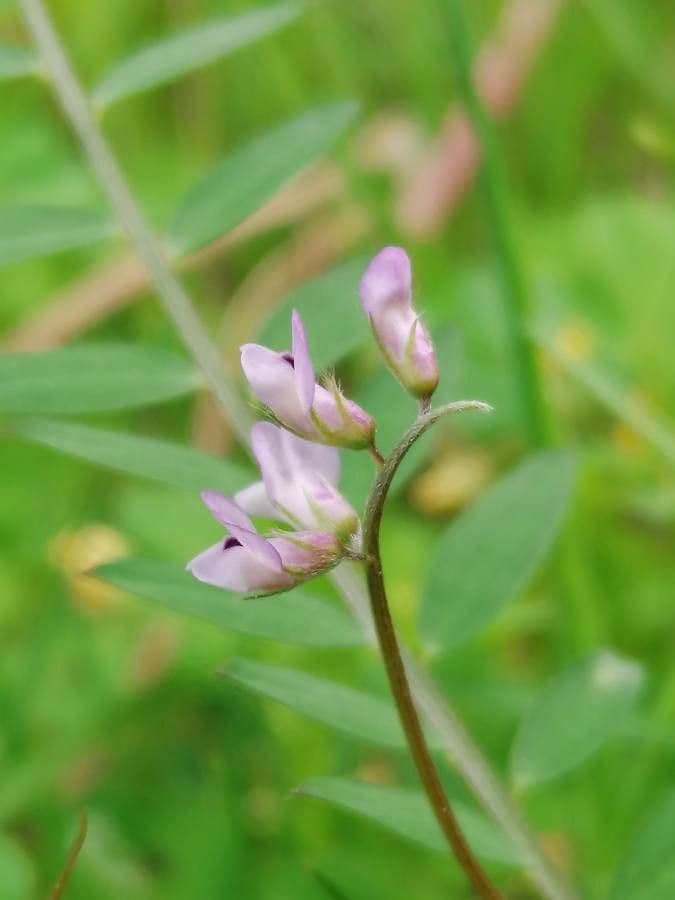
(648, 871)
(19, 878)
(407, 813)
(490, 553)
(149, 458)
(350, 711)
(335, 322)
(575, 714)
(91, 378)
(254, 172)
(292, 618)
(168, 59)
(31, 231)
(16, 62)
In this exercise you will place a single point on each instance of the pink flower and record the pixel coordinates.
(284, 383)
(248, 563)
(386, 295)
(299, 483)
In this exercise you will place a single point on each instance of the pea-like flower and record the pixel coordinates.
(386, 295)
(299, 483)
(248, 563)
(285, 384)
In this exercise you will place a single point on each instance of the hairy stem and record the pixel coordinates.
(393, 661)
(170, 291)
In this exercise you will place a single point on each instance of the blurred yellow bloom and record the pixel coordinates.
(574, 340)
(74, 553)
(451, 482)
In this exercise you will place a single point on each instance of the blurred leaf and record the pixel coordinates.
(91, 378)
(16, 62)
(243, 181)
(491, 551)
(350, 711)
(330, 309)
(580, 709)
(407, 813)
(292, 618)
(17, 873)
(648, 871)
(148, 513)
(607, 390)
(30, 231)
(193, 48)
(160, 461)
(623, 26)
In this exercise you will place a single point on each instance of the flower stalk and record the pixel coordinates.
(393, 660)
(73, 854)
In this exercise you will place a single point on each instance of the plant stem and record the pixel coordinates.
(78, 843)
(170, 291)
(495, 199)
(393, 661)
(461, 750)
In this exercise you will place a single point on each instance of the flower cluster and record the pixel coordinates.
(297, 453)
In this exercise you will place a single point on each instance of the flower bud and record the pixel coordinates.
(305, 554)
(284, 383)
(386, 295)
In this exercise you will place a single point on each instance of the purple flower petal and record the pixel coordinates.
(304, 370)
(240, 526)
(273, 381)
(237, 570)
(268, 449)
(258, 546)
(387, 280)
(309, 456)
(225, 510)
(255, 501)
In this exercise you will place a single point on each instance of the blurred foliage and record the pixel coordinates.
(110, 703)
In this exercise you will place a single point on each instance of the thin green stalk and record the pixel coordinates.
(170, 291)
(515, 293)
(496, 203)
(78, 844)
(393, 660)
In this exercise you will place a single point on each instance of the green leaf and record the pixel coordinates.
(30, 231)
(158, 460)
(491, 551)
(292, 618)
(180, 53)
(253, 173)
(16, 62)
(91, 378)
(336, 324)
(350, 711)
(648, 871)
(407, 813)
(574, 715)
(18, 872)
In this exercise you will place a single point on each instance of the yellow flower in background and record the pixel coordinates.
(75, 553)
